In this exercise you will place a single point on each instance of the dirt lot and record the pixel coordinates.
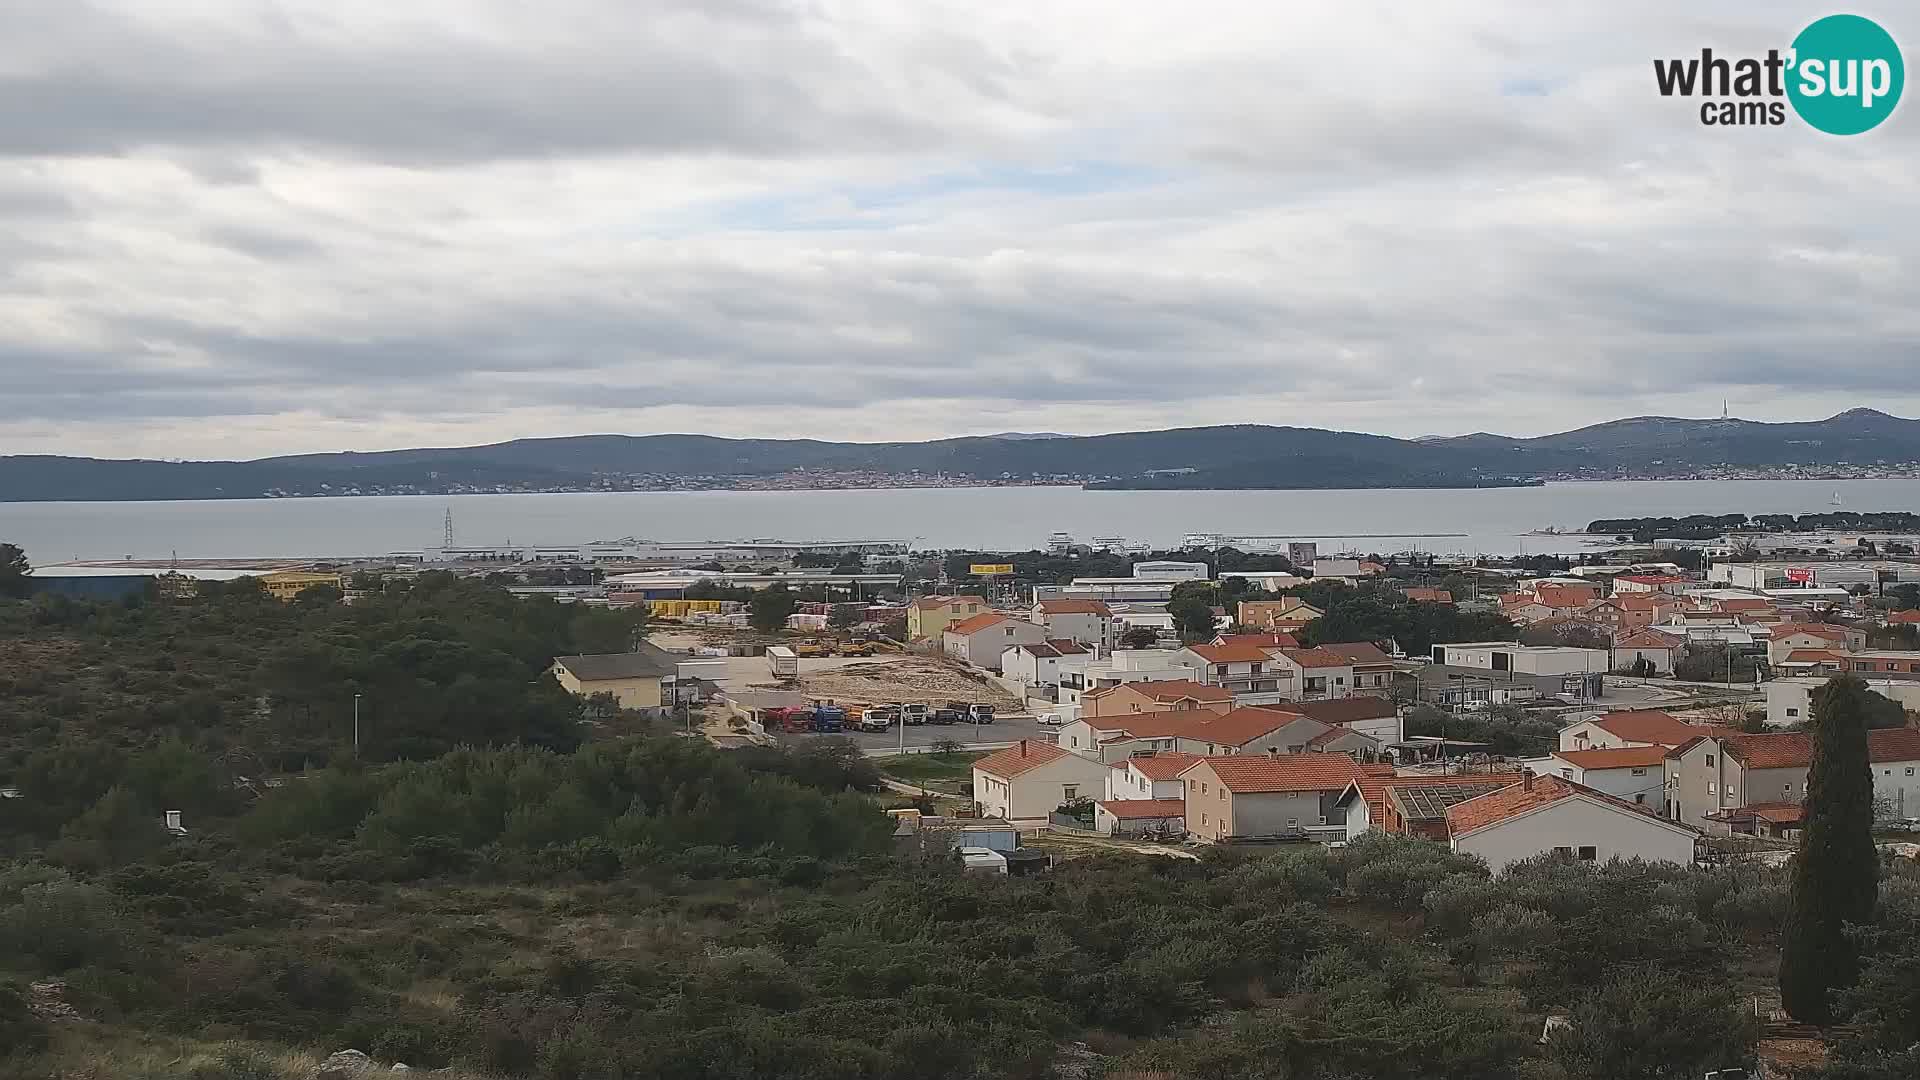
(899, 679)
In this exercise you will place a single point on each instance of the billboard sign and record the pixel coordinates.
(1799, 574)
(990, 569)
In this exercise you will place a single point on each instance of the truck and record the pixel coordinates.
(980, 714)
(878, 718)
(914, 713)
(829, 718)
(783, 662)
(813, 647)
(857, 647)
(791, 719)
(947, 715)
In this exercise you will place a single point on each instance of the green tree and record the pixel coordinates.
(14, 571)
(1647, 1022)
(1837, 870)
(113, 832)
(770, 608)
(1192, 618)
(1140, 637)
(845, 615)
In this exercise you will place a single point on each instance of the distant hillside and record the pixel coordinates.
(1244, 456)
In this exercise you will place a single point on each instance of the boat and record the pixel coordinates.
(1835, 501)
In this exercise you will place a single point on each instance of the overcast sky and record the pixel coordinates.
(231, 228)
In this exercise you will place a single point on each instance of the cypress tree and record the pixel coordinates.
(1836, 873)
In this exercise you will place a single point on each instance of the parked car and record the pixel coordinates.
(1050, 718)
(947, 716)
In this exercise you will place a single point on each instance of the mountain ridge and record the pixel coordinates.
(1232, 456)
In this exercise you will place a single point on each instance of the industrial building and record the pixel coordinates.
(630, 550)
(1815, 573)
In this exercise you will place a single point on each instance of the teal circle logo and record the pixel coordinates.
(1846, 75)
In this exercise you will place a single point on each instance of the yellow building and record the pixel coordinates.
(284, 585)
(929, 616)
(634, 679)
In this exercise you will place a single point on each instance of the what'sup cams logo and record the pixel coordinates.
(1842, 75)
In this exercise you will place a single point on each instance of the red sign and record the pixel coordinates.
(1799, 574)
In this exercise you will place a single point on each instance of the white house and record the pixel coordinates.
(1044, 663)
(1650, 645)
(1313, 674)
(983, 639)
(1125, 666)
(1637, 774)
(1029, 780)
(1140, 817)
(1787, 637)
(1089, 622)
(1148, 776)
(1790, 699)
(1550, 814)
(1646, 727)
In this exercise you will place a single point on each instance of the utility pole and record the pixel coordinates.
(356, 725)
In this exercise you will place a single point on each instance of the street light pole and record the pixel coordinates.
(356, 725)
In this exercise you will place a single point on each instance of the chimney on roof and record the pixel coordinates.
(1526, 779)
(1023, 748)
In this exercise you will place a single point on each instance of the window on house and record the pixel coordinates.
(1203, 787)
(1793, 712)
(1589, 853)
(1909, 770)
(1639, 772)
(1640, 799)
(1711, 789)
(1568, 773)
(1070, 791)
(1563, 851)
(1203, 819)
(1223, 794)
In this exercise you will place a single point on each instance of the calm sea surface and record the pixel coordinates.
(1491, 520)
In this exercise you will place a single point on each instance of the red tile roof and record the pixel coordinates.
(1743, 604)
(1652, 579)
(1819, 630)
(1565, 596)
(1811, 656)
(1020, 758)
(1331, 735)
(1651, 726)
(1635, 757)
(1909, 616)
(1794, 749)
(1145, 808)
(1360, 652)
(1516, 799)
(1430, 596)
(1164, 765)
(1641, 601)
(1230, 654)
(1242, 726)
(1055, 647)
(1645, 639)
(1248, 774)
(1339, 711)
(1316, 658)
(1181, 723)
(1180, 690)
(1074, 607)
(1270, 641)
(1779, 813)
(976, 624)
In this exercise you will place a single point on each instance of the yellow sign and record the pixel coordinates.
(990, 569)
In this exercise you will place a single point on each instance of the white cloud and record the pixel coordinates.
(239, 228)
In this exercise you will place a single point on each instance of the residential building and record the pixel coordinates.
(1313, 674)
(1140, 817)
(1457, 687)
(1545, 814)
(1238, 668)
(1354, 744)
(1029, 780)
(1125, 666)
(1788, 637)
(1044, 663)
(633, 678)
(1524, 659)
(1373, 670)
(1376, 717)
(982, 640)
(1287, 614)
(1149, 775)
(1167, 695)
(1814, 574)
(1637, 774)
(1909, 617)
(1644, 727)
(929, 616)
(1193, 731)
(1089, 622)
(1411, 805)
(1270, 639)
(1336, 568)
(1727, 771)
(1868, 663)
(286, 585)
(1650, 583)
(1790, 698)
(1244, 797)
(1634, 646)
